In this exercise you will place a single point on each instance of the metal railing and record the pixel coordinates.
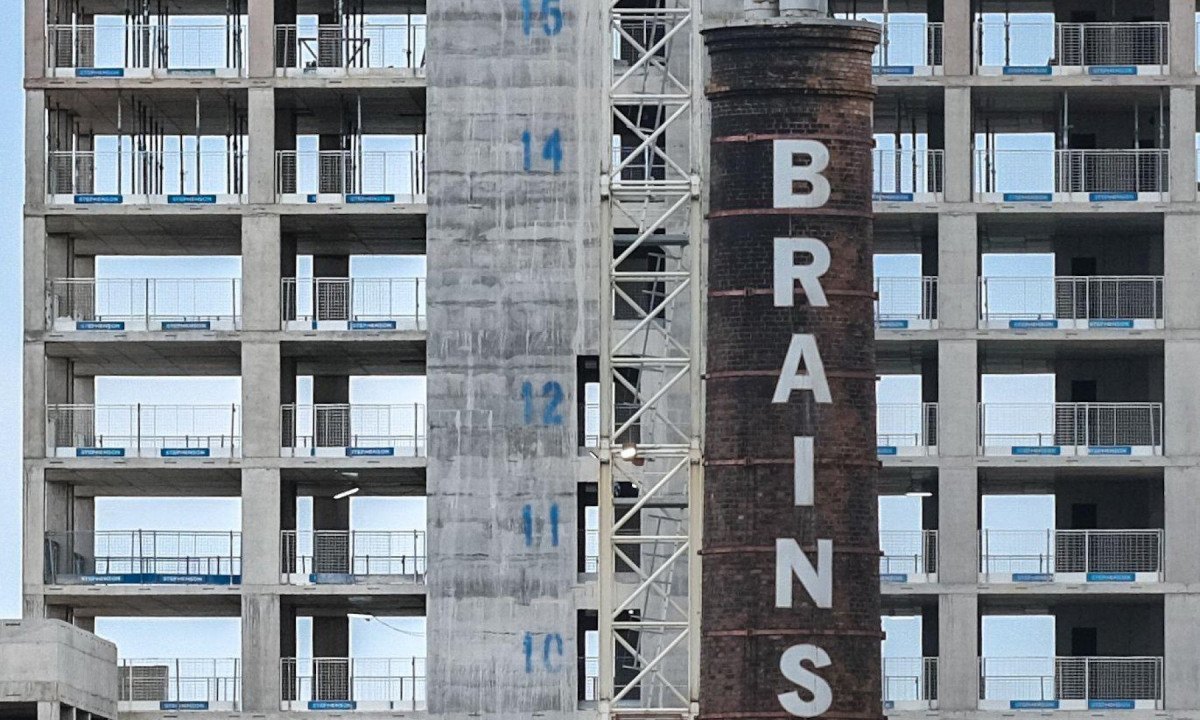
(1105, 554)
(354, 552)
(172, 176)
(908, 44)
(1128, 428)
(181, 683)
(1101, 175)
(360, 303)
(903, 428)
(910, 681)
(353, 683)
(146, 303)
(1110, 301)
(159, 430)
(358, 429)
(1071, 678)
(1028, 43)
(903, 302)
(908, 175)
(191, 46)
(908, 553)
(370, 47)
(144, 557)
(367, 176)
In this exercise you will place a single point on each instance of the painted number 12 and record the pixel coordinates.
(551, 414)
(551, 15)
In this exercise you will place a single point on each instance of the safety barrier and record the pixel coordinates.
(189, 48)
(903, 176)
(908, 556)
(346, 49)
(591, 678)
(910, 683)
(156, 684)
(353, 430)
(353, 303)
(1072, 302)
(1019, 176)
(908, 47)
(169, 177)
(1028, 46)
(906, 429)
(591, 554)
(1071, 555)
(906, 303)
(341, 556)
(1071, 683)
(345, 176)
(378, 684)
(144, 557)
(133, 304)
(167, 431)
(1093, 429)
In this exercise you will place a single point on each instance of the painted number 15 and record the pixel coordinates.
(550, 14)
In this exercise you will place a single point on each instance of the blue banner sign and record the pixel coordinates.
(893, 70)
(331, 579)
(184, 452)
(1027, 70)
(191, 199)
(99, 452)
(1110, 705)
(99, 199)
(160, 579)
(372, 324)
(332, 705)
(1123, 324)
(99, 325)
(893, 577)
(1110, 450)
(359, 199)
(370, 452)
(1036, 450)
(1110, 577)
(886, 450)
(187, 325)
(1033, 704)
(1113, 70)
(1033, 577)
(192, 72)
(1033, 324)
(1112, 197)
(892, 197)
(183, 705)
(893, 325)
(99, 72)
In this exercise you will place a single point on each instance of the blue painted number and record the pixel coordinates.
(551, 14)
(553, 392)
(552, 150)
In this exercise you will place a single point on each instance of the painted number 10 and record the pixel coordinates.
(550, 14)
(552, 150)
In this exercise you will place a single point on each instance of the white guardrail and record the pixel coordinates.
(344, 176)
(171, 177)
(1071, 302)
(1014, 45)
(189, 48)
(903, 176)
(1093, 429)
(910, 683)
(908, 47)
(119, 304)
(158, 684)
(1071, 683)
(906, 303)
(144, 557)
(359, 430)
(349, 49)
(353, 304)
(1017, 176)
(908, 556)
(168, 431)
(379, 684)
(1071, 555)
(340, 556)
(906, 429)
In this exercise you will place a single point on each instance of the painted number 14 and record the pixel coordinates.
(552, 150)
(551, 16)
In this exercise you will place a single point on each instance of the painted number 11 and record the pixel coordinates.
(551, 16)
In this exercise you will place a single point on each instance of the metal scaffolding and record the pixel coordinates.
(651, 345)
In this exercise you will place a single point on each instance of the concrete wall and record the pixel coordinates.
(50, 661)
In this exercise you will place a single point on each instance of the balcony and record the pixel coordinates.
(341, 557)
(338, 51)
(907, 176)
(341, 430)
(1073, 303)
(170, 177)
(909, 47)
(144, 304)
(1071, 556)
(1071, 683)
(368, 684)
(908, 556)
(154, 685)
(144, 557)
(1086, 176)
(910, 683)
(187, 49)
(353, 304)
(906, 303)
(906, 430)
(1031, 47)
(1071, 429)
(345, 176)
(144, 431)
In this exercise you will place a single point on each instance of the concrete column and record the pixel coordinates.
(261, 526)
(260, 653)
(33, 561)
(261, 142)
(1183, 144)
(958, 272)
(261, 261)
(1181, 504)
(260, 400)
(956, 41)
(261, 19)
(35, 148)
(1183, 38)
(958, 144)
(1181, 662)
(33, 400)
(35, 39)
(35, 271)
(958, 652)
(958, 537)
(1181, 264)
